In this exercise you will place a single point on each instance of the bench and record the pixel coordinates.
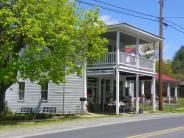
(51, 110)
(25, 110)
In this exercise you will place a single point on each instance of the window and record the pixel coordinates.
(44, 92)
(21, 91)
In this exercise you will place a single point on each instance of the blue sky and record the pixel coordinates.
(172, 8)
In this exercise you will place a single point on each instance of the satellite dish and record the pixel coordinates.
(149, 52)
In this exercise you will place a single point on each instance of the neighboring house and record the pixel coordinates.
(122, 68)
(170, 88)
(181, 89)
(66, 97)
(170, 85)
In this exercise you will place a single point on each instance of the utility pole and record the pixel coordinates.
(160, 58)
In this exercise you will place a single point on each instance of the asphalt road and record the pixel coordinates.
(156, 128)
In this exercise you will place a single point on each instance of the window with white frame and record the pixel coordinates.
(44, 92)
(21, 91)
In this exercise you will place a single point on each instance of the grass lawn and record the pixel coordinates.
(28, 122)
(22, 120)
(173, 107)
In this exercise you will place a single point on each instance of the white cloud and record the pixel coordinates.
(108, 20)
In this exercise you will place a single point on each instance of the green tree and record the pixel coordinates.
(178, 64)
(167, 67)
(168, 70)
(178, 60)
(45, 40)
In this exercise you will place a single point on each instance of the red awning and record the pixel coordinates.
(166, 78)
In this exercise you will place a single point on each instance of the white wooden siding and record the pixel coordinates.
(73, 92)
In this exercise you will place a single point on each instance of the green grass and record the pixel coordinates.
(146, 107)
(175, 108)
(21, 120)
(172, 108)
(58, 119)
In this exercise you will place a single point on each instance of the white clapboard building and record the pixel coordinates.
(106, 81)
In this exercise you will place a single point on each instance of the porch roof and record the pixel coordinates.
(166, 78)
(132, 30)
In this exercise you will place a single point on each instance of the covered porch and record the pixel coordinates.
(116, 91)
(170, 88)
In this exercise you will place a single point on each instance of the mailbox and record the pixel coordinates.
(83, 99)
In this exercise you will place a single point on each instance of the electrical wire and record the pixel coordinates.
(174, 24)
(172, 17)
(140, 17)
(105, 8)
(137, 12)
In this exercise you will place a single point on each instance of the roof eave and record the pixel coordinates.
(111, 27)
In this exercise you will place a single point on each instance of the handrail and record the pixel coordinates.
(127, 60)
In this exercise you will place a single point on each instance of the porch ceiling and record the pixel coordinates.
(125, 39)
(140, 78)
(105, 75)
(134, 31)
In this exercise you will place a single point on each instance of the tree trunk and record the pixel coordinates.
(3, 88)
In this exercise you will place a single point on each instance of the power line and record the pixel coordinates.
(169, 10)
(105, 8)
(174, 24)
(145, 18)
(137, 12)
(176, 28)
(174, 17)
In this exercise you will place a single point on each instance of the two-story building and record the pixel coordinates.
(122, 67)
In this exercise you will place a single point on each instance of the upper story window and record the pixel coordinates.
(21, 91)
(44, 92)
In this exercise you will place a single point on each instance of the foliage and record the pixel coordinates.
(18, 118)
(45, 40)
(167, 67)
(40, 38)
(178, 61)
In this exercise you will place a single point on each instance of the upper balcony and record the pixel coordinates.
(127, 61)
(130, 49)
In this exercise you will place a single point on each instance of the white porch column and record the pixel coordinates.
(85, 88)
(132, 92)
(99, 89)
(117, 91)
(111, 89)
(124, 85)
(137, 52)
(168, 93)
(153, 94)
(104, 95)
(117, 47)
(137, 93)
(142, 91)
(117, 71)
(176, 93)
